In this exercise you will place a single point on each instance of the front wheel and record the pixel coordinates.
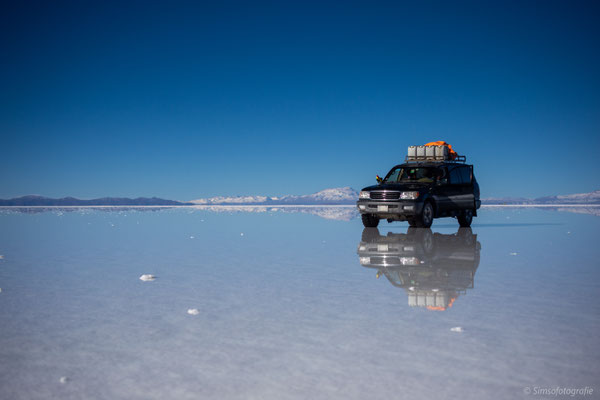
(370, 221)
(425, 219)
(370, 235)
(465, 218)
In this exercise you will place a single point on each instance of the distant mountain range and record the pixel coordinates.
(32, 201)
(347, 195)
(334, 196)
(578, 198)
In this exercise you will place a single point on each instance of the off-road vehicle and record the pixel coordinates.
(429, 184)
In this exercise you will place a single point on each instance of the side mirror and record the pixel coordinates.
(379, 179)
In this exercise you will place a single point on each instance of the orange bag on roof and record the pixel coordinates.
(452, 153)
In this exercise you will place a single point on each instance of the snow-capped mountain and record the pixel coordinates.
(334, 196)
(232, 200)
(577, 198)
(344, 195)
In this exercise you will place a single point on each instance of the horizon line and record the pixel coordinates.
(283, 205)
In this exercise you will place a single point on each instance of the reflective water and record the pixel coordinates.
(295, 306)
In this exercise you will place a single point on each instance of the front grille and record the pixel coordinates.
(385, 261)
(385, 195)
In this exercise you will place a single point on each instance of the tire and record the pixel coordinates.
(412, 222)
(465, 235)
(370, 235)
(427, 241)
(465, 218)
(370, 221)
(425, 219)
(422, 237)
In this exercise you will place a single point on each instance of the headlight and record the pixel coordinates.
(409, 195)
(409, 261)
(364, 195)
(364, 260)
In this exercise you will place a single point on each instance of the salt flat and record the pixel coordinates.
(297, 307)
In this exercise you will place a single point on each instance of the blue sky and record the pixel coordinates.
(184, 100)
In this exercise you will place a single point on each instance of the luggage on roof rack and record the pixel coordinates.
(434, 151)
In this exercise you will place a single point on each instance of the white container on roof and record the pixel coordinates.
(429, 153)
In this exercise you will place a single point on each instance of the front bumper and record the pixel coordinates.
(392, 260)
(385, 209)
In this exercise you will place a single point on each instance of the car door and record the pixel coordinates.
(467, 197)
(440, 190)
(454, 189)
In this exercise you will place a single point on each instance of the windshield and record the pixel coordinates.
(414, 174)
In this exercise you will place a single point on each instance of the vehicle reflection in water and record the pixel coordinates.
(433, 268)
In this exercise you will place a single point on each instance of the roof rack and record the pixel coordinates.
(458, 159)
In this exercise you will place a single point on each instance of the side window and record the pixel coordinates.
(465, 173)
(455, 176)
(442, 174)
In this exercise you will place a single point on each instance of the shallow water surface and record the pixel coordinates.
(291, 305)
